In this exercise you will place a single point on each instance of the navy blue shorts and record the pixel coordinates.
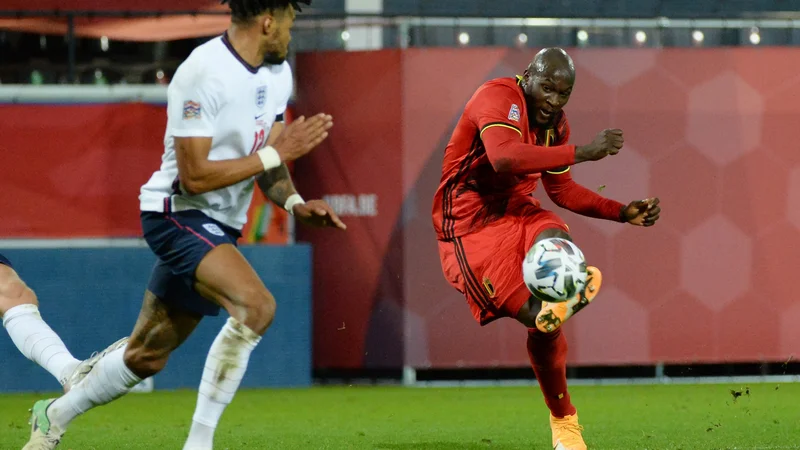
(181, 240)
(4, 261)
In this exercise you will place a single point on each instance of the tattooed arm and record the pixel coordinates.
(276, 184)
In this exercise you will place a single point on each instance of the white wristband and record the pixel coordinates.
(293, 200)
(269, 158)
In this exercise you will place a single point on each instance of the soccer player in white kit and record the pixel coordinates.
(19, 309)
(224, 134)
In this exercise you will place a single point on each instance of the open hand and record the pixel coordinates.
(643, 213)
(302, 135)
(317, 213)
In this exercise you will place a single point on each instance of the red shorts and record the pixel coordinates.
(486, 266)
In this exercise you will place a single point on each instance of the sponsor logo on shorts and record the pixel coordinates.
(192, 110)
(514, 113)
(214, 229)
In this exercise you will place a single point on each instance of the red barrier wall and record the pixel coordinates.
(76, 171)
(712, 132)
(357, 274)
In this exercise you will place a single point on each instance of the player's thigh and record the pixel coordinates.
(227, 278)
(543, 224)
(159, 330)
(491, 263)
(202, 252)
(13, 291)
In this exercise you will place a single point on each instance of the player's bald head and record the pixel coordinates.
(547, 84)
(552, 62)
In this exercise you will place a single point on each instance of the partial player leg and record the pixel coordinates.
(547, 352)
(548, 357)
(487, 267)
(159, 330)
(226, 277)
(550, 316)
(29, 332)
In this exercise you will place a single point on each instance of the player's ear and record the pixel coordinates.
(525, 79)
(267, 23)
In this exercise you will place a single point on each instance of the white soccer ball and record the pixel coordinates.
(554, 270)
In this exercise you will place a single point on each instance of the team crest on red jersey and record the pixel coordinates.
(487, 283)
(513, 113)
(192, 110)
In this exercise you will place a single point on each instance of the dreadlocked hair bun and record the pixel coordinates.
(246, 9)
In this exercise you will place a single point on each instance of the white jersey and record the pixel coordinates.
(216, 94)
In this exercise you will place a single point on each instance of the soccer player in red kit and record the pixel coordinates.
(512, 134)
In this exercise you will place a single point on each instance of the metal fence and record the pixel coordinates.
(70, 59)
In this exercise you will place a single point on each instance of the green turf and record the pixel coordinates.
(696, 417)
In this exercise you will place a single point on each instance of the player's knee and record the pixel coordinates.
(528, 320)
(527, 314)
(553, 233)
(143, 361)
(14, 292)
(258, 310)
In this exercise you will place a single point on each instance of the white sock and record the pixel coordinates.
(224, 370)
(38, 342)
(110, 379)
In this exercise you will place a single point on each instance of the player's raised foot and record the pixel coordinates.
(86, 366)
(44, 436)
(553, 315)
(567, 433)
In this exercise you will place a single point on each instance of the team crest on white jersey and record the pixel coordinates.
(513, 113)
(214, 229)
(261, 96)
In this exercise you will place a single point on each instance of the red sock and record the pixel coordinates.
(548, 356)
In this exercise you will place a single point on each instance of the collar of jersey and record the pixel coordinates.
(227, 42)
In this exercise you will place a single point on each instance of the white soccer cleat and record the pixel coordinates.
(87, 365)
(44, 436)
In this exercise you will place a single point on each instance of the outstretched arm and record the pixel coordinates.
(508, 154)
(568, 194)
(496, 112)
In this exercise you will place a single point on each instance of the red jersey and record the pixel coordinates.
(472, 193)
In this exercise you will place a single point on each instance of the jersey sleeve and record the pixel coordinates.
(287, 85)
(193, 101)
(562, 138)
(568, 194)
(496, 106)
(496, 111)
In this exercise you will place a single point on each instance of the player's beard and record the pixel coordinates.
(274, 59)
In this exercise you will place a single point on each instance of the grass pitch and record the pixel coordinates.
(671, 417)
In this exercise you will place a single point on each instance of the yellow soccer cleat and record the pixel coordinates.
(567, 433)
(553, 315)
